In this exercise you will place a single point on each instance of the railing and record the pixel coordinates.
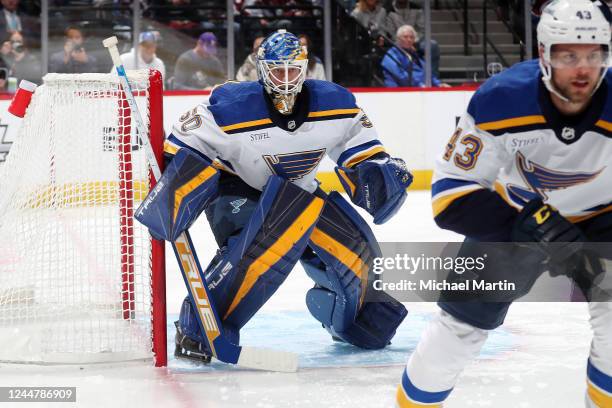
(471, 34)
(486, 40)
(468, 27)
(466, 20)
(378, 43)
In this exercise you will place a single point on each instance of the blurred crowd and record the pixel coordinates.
(401, 25)
(187, 39)
(184, 39)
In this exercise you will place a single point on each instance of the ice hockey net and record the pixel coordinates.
(80, 280)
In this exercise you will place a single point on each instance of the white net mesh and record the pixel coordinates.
(75, 274)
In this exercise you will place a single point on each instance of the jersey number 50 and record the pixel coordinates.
(190, 120)
(473, 147)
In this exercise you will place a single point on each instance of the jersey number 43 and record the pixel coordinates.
(467, 159)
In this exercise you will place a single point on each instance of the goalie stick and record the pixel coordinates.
(208, 318)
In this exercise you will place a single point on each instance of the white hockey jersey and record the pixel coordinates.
(244, 134)
(512, 140)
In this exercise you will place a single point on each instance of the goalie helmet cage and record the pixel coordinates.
(80, 280)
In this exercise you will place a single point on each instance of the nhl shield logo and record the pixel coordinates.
(291, 124)
(568, 133)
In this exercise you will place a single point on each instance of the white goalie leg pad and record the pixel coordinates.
(445, 348)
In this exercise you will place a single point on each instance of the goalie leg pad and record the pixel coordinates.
(269, 246)
(185, 188)
(245, 273)
(374, 326)
(347, 254)
(190, 342)
(219, 281)
(343, 251)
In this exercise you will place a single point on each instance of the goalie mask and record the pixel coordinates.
(281, 67)
(573, 22)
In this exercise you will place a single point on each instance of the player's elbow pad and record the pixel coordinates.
(378, 186)
(185, 188)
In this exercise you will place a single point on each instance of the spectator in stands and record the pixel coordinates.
(20, 62)
(147, 45)
(3, 84)
(199, 68)
(370, 15)
(12, 20)
(248, 69)
(4, 67)
(73, 58)
(6, 52)
(316, 70)
(402, 14)
(402, 65)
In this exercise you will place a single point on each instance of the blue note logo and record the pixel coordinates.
(294, 166)
(540, 180)
(237, 204)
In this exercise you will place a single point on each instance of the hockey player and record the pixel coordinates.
(530, 161)
(248, 159)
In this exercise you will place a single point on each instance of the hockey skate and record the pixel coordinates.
(188, 348)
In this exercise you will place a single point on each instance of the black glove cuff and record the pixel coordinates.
(542, 223)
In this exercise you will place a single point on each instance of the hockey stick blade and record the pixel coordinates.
(265, 359)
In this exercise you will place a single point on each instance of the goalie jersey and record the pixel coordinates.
(240, 131)
(513, 142)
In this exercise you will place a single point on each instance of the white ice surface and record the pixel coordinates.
(544, 366)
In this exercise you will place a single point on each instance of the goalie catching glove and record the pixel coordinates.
(378, 186)
(184, 190)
